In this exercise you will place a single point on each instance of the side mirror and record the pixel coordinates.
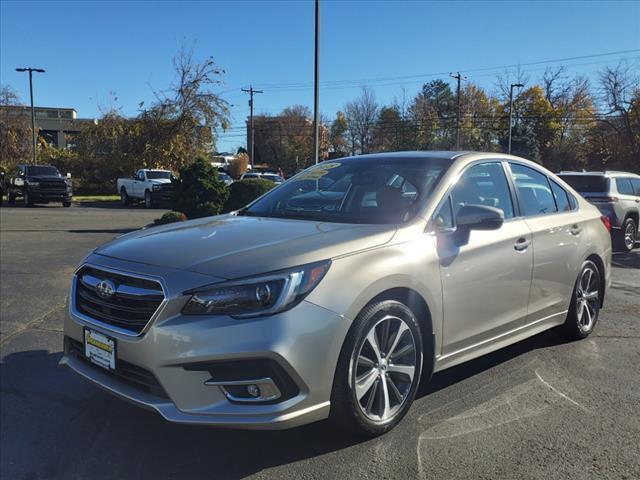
(479, 217)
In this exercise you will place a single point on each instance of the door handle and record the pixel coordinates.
(522, 244)
(575, 230)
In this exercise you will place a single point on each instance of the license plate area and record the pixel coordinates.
(100, 349)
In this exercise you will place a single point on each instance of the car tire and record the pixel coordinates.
(27, 199)
(585, 303)
(373, 389)
(627, 236)
(66, 204)
(124, 197)
(148, 201)
(11, 199)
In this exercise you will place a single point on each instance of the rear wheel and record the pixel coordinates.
(628, 235)
(379, 369)
(585, 303)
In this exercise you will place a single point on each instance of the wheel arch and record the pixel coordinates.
(418, 305)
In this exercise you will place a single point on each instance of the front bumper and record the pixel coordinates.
(50, 195)
(303, 342)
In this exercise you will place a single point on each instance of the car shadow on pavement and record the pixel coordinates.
(626, 260)
(55, 424)
(451, 376)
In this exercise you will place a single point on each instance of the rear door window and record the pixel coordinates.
(534, 192)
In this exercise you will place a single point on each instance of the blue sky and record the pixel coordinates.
(90, 49)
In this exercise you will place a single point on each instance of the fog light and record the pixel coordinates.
(253, 390)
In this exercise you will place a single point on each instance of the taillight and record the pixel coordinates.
(603, 199)
(607, 222)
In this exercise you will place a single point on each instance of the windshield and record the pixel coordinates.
(587, 183)
(38, 170)
(357, 190)
(153, 175)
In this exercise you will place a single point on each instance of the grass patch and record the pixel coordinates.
(96, 198)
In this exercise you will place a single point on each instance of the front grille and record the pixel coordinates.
(53, 185)
(126, 372)
(130, 308)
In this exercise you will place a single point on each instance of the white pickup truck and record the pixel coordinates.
(151, 185)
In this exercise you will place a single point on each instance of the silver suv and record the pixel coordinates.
(337, 292)
(617, 196)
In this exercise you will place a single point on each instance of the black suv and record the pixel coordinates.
(38, 184)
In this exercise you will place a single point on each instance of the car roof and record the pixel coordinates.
(606, 173)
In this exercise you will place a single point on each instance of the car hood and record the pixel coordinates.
(231, 246)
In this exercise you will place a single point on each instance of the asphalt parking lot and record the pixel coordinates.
(539, 409)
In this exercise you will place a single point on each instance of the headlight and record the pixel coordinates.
(155, 186)
(255, 296)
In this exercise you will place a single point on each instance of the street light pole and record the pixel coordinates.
(458, 77)
(519, 85)
(316, 87)
(33, 113)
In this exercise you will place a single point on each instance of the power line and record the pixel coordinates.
(345, 82)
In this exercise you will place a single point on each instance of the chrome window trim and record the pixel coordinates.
(92, 322)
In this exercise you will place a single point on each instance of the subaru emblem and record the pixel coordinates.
(106, 289)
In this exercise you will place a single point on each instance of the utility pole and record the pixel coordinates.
(518, 85)
(316, 87)
(458, 77)
(251, 92)
(33, 112)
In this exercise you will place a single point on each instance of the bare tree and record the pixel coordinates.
(15, 129)
(620, 89)
(361, 115)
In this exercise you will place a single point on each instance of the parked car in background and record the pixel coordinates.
(153, 186)
(38, 184)
(303, 306)
(617, 196)
(250, 175)
(225, 177)
(274, 177)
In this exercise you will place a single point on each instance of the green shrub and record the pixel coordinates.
(170, 217)
(198, 192)
(245, 192)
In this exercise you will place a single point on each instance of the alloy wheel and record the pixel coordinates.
(385, 368)
(629, 235)
(587, 299)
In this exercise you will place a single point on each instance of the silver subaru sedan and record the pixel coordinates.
(335, 294)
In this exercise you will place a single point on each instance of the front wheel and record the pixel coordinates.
(66, 204)
(148, 203)
(124, 198)
(27, 199)
(379, 369)
(585, 303)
